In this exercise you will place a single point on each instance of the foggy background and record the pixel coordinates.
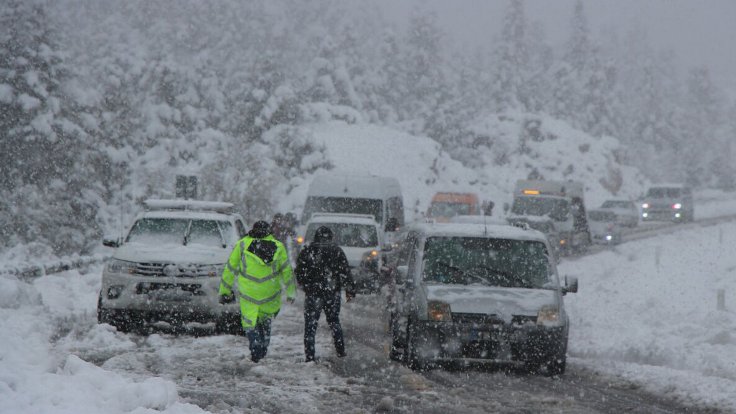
(701, 33)
(102, 103)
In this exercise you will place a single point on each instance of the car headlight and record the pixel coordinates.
(548, 316)
(121, 266)
(439, 311)
(645, 205)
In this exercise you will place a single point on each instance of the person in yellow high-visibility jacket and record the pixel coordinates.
(260, 266)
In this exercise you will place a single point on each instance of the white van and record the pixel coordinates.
(377, 196)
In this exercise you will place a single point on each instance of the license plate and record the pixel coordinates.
(171, 295)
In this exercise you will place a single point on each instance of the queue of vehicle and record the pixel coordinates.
(477, 289)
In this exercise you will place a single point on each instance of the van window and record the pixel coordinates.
(485, 261)
(556, 208)
(345, 205)
(348, 234)
(663, 192)
(449, 209)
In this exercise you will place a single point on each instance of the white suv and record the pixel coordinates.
(360, 237)
(168, 266)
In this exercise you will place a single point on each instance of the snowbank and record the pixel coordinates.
(35, 377)
(646, 311)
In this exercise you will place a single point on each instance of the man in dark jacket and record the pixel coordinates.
(322, 271)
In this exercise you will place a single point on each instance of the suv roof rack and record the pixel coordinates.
(152, 204)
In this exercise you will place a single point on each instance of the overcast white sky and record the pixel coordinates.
(699, 31)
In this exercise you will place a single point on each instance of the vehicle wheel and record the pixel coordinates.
(532, 367)
(413, 360)
(396, 352)
(556, 366)
(103, 314)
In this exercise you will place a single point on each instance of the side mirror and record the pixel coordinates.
(401, 276)
(111, 242)
(571, 285)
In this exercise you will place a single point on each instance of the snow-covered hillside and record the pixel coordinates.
(531, 144)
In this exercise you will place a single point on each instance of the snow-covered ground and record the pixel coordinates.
(647, 311)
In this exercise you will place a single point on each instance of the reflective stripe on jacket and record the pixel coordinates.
(259, 283)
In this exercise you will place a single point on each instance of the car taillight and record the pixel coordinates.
(677, 206)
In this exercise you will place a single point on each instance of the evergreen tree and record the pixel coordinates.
(45, 149)
(510, 87)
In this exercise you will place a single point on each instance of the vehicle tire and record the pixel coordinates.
(532, 366)
(103, 314)
(556, 365)
(398, 347)
(413, 360)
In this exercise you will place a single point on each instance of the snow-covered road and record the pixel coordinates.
(645, 337)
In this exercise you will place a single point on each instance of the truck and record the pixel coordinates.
(562, 203)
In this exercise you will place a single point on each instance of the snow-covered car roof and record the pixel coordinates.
(183, 214)
(354, 186)
(530, 219)
(668, 185)
(497, 231)
(342, 218)
(188, 205)
(468, 219)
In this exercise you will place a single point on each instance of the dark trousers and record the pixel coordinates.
(258, 339)
(313, 307)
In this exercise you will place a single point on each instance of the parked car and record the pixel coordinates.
(627, 214)
(669, 202)
(469, 293)
(361, 238)
(604, 226)
(168, 266)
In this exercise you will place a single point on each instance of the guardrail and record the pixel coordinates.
(61, 265)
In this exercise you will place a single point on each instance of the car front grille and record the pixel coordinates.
(476, 319)
(480, 319)
(172, 270)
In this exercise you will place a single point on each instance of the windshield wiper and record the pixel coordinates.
(186, 233)
(222, 236)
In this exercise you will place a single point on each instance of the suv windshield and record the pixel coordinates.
(555, 208)
(348, 234)
(485, 261)
(663, 192)
(616, 204)
(445, 209)
(179, 231)
(346, 205)
(604, 216)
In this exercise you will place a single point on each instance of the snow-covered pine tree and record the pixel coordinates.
(511, 76)
(46, 193)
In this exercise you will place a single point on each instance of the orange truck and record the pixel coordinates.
(447, 205)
